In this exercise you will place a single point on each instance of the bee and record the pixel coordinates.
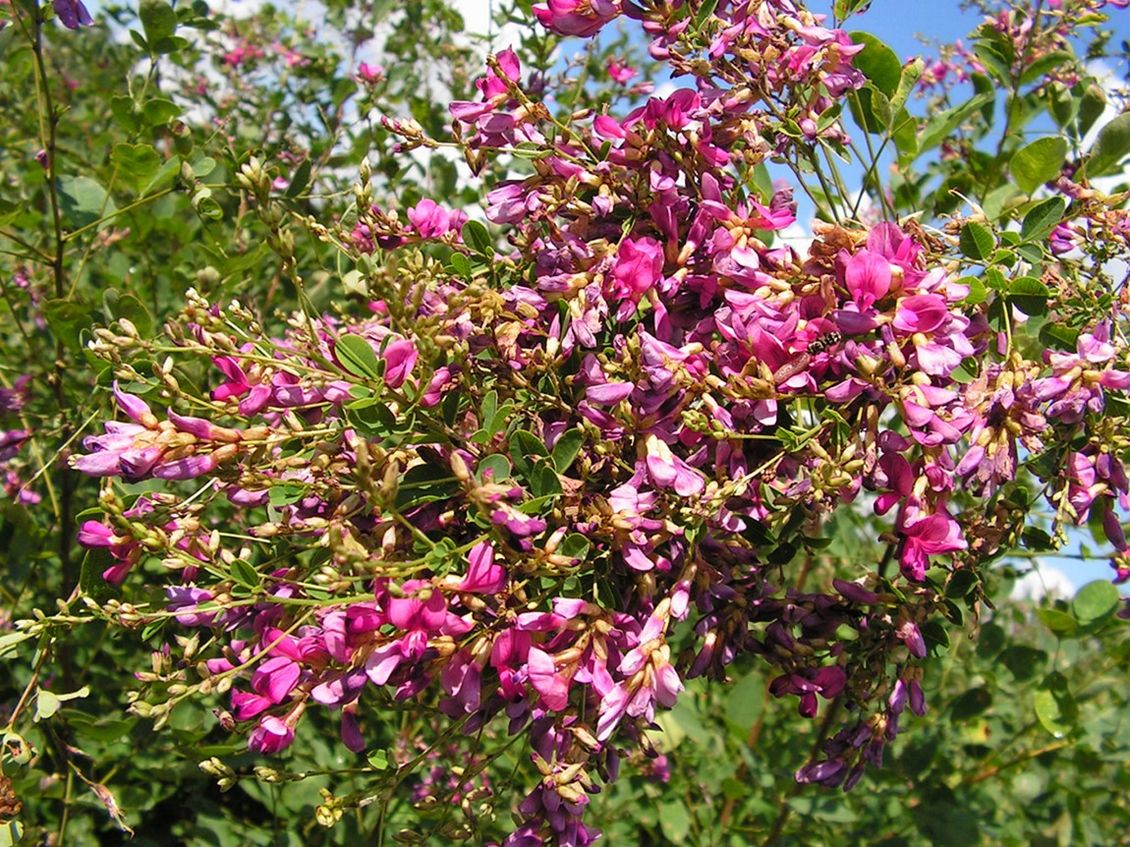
(828, 339)
(801, 362)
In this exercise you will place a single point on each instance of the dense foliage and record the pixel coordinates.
(475, 453)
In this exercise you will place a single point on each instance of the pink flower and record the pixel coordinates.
(126, 551)
(256, 396)
(271, 736)
(483, 576)
(920, 313)
(370, 74)
(925, 537)
(669, 471)
(432, 220)
(868, 278)
(550, 685)
(400, 357)
(620, 71)
(639, 266)
(577, 17)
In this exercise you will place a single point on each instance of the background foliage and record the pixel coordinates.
(120, 156)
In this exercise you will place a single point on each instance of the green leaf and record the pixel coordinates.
(1110, 147)
(372, 419)
(544, 481)
(158, 19)
(117, 306)
(1091, 107)
(425, 483)
(495, 466)
(158, 112)
(744, 703)
(1029, 295)
(244, 574)
(459, 265)
(997, 200)
(977, 241)
(527, 444)
(1038, 162)
(871, 109)
(82, 201)
(575, 546)
(877, 62)
(566, 449)
(936, 636)
(939, 127)
(761, 181)
(489, 412)
(674, 820)
(1095, 602)
(1047, 62)
(300, 179)
(1042, 219)
(996, 64)
(970, 704)
(904, 132)
(164, 177)
(125, 112)
(356, 356)
(978, 292)
(1060, 623)
(136, 163)
(476, 237)
(907, 80)
(66, 320)
(287, 493)
(379, 759)
(705, 11)
(1055, 707)
(961, 582)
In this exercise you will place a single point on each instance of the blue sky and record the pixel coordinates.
(897, 22)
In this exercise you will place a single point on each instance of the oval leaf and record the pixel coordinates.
(1038, 163)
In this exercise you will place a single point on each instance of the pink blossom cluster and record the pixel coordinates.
(548, 485)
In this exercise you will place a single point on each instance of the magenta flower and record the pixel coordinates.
(400, 357)
(551, 686)
(1078, 379)
(431, 220)
(620, 71)
(370, 74)
(584, 18)
(928, 536)
(483, 575)
(126, 551)
(639, 266)
(920, 313)
(271, 736)
(867, 276)
(255, 396)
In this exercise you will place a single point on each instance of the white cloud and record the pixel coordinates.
(1042, 581)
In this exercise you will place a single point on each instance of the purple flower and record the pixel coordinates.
(669, 471)
(72, 13)
(483, 576)
(271, 736)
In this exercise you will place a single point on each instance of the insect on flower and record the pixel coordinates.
(817, 346)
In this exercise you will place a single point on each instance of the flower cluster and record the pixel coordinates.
(546, 486)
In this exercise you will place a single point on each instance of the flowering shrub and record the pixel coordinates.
(525, 479)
